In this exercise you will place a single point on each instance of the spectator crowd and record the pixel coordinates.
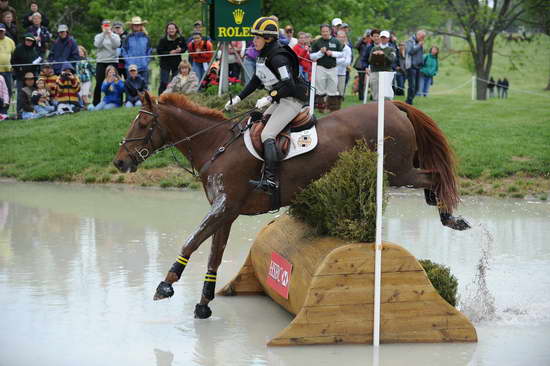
(50, 73)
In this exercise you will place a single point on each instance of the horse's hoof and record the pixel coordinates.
(164, 290)
(461, 224)
(202, 311)
(457, 223)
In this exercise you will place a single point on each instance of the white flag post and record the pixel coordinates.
(382, 76)
(312, 87)
(366, 91)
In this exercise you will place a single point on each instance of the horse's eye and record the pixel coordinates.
(142, 124)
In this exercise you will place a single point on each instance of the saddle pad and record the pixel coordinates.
(300, 143)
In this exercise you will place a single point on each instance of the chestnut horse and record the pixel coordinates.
(417, 154)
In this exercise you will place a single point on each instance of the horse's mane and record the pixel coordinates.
(181, 101)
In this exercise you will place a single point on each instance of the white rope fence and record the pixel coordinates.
(112, 61)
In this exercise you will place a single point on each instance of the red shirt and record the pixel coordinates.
(200, 46)
(303, 54)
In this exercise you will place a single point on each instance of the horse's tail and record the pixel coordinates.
(435, 155)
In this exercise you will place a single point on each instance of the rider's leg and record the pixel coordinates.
(282, 114)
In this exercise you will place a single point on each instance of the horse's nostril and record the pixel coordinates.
(118, 163)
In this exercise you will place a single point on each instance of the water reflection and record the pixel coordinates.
(82, 263)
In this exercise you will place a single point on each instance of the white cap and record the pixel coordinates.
(385, 34)
(336, 21)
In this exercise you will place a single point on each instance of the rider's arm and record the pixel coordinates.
(252, 85)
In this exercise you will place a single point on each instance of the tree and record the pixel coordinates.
(481, 21)
(539, 19)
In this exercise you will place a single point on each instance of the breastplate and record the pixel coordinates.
(265, 75)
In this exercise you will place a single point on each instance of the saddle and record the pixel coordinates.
(301, 122)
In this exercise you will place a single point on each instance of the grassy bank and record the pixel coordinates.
(503, 146)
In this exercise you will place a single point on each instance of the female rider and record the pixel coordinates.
(277, 70)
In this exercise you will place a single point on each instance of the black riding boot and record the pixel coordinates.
(269, 182)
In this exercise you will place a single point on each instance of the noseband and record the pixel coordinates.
(143, 153)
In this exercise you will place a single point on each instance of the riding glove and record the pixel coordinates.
(229, 105)
(263, 102)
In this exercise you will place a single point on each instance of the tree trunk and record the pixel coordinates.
(548, 86)
(447, 41)
(483, 60)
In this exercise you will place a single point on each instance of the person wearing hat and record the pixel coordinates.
(325, 51)
(381, 59)
(27, 105)
(336, 24)
(133, 87)
(136, 48)
(277, 70)
(106, 43)
(68, 87)
(25, 54)
(7, 47)
(41, 34)
(63, 49)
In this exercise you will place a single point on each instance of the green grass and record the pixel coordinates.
(494, 138)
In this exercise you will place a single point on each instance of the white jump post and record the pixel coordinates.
(312, 87)
(379, 190)
(366, 91)
(223, 86)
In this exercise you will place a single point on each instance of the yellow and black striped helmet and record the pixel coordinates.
(265, 26)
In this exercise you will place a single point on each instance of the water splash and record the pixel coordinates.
(478, 303)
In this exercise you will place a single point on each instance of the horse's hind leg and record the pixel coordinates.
(419, 178)
(219, 241)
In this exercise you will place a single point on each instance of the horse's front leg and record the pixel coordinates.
(219, 241)
(218, 215)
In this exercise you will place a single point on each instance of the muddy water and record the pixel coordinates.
(79, 265)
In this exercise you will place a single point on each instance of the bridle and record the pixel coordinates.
(143, 153)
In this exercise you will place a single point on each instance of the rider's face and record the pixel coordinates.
(259, 42)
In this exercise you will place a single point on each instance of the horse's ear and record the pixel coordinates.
(146, 99)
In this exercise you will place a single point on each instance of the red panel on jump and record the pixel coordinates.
(278, 276)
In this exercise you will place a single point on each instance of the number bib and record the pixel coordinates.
(265, 75)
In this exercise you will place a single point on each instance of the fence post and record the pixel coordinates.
(366, 91)
(474, 87)
(312, 87)
(379, 195)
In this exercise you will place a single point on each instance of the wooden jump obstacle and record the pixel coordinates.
(331, 291)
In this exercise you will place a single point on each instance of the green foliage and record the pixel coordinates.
(342, 203)
(441, 278)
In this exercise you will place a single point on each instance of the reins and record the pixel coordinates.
(144, 153)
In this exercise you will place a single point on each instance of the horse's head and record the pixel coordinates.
(144, 137)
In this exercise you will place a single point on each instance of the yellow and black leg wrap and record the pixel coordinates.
(209, 285)
(179, 266)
